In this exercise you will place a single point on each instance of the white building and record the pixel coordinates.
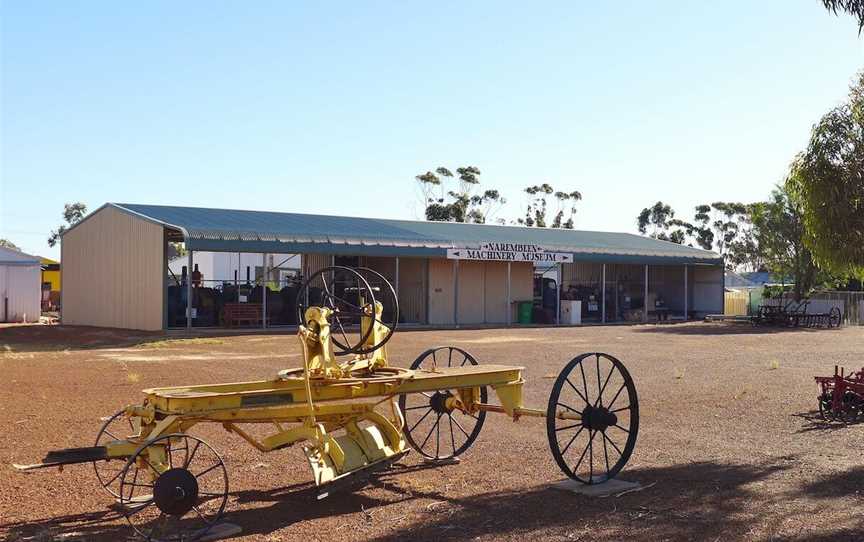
(20, 286)
(220, 267)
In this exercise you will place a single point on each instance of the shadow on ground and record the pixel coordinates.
(687, 502)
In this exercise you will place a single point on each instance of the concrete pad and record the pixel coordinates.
(605, 489)
(220, 532)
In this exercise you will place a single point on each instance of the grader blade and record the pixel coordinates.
(358, 478)
(68, 456)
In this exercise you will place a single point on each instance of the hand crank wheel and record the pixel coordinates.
(597, 394)
(434, 427)
(175, 487)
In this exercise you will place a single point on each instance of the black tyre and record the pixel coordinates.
(597, 388)
(427, 413)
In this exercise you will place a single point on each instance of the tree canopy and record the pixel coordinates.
(828, 180)
(460, 204)
(852, 7)
(72, 214)
(537, 207)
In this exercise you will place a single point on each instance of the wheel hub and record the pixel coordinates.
(598, 418)
(175, 491)
(438, 402)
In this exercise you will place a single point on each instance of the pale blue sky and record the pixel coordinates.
(333, 107)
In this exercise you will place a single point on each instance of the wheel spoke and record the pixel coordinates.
(452, 438)
(584, 382)
(571, 409)
(459, 425)
(591, 457)
(611, 403)
(192, 455)
(613, 444)
(620, 409)
(571, 441)
(464, 361)
(581, 457)
(202, 473)
(599, 387)
(621, 428)
(430, 432)
(578, 392)
(605, 453)
(568, 427)
(420, 420)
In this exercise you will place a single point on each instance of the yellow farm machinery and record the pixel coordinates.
(350, 410)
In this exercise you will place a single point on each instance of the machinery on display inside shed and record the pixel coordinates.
(352, 411)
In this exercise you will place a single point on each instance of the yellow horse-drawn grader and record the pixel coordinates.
(352, 412)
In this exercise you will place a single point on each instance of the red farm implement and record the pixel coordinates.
(841, 397)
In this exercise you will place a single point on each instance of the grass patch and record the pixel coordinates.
(168, 343)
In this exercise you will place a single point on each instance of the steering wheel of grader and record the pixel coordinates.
(355, 310)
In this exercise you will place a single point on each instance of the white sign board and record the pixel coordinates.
(508, 252)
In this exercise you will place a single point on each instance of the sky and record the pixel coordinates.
(335, 107)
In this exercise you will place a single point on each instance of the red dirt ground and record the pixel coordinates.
(728, 436)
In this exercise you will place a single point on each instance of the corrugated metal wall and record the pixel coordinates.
(20, 293)
(413, 290)
(113, 272)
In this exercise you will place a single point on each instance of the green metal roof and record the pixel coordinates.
(225, 230)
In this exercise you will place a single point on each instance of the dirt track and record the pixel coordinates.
(727, 434)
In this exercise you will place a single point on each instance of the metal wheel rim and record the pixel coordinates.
(302, 303)
(602, 398)
(132, 505)
(392, 328)
(104, 480)
(455, 426)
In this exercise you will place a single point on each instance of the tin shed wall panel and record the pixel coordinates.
(20, 293)
(471, 292)
(440, 291)
(113, 272)
(496, 292)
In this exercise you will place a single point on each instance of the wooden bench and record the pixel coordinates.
(233, 314)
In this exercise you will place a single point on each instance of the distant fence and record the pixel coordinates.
(736, 303)
(851, 304)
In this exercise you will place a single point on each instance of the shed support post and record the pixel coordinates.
(645, 299)
(456, 293)
(686, 296)
(603, 295)
(189, 292)
(509, 302)
(396, 281)
(560, 269)
(264, 289)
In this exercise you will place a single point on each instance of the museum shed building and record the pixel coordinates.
(153, 267)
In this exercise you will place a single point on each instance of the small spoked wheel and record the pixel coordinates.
(116, 427)
(435, 424)
(825, 407)
(593, 418)
(834, 317)
(174, 488)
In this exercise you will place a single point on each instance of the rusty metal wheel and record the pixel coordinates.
(598, 392)
(435, 429)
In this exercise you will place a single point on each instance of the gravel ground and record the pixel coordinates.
(728, 437)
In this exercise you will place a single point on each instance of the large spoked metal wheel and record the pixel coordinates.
(116, 427)
(385, 294)
(434, 425)
(180, 502)
(597, 394)
(349, 296)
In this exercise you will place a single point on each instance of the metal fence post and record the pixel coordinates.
(456, 292)
(686, 295)
(264, 289)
